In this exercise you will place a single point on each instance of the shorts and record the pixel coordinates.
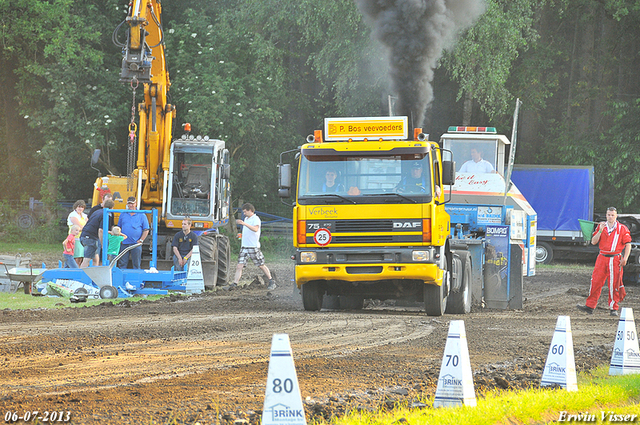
(90, 247)
(254, 253)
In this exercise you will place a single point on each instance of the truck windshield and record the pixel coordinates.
(191, 184)
(364, 179)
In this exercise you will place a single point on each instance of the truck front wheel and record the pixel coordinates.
(312, 295)
(544, 253)
(435, 301)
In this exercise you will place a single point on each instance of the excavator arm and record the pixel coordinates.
(143, 62)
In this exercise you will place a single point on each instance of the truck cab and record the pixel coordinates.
(369, 216)
(198, 183)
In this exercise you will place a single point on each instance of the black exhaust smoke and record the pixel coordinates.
(416, 33)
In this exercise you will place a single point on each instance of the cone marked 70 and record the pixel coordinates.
(455, 383)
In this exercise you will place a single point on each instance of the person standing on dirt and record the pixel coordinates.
(612, 238)
(114, 242)
(136, 226)
(251, 246)
(98, 208)
(182, 245)
(77, 217)
(69, 245)
(91, 237)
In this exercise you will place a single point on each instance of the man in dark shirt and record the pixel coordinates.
(415, 182)
(91, 237)
(182, 244)
(99, 208)
(100, 205)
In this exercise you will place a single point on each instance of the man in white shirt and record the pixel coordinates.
(251, 246)
(476, 164)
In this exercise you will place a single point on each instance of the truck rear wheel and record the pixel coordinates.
(224, 259)
(208, 243)
(435, 301)
(544, 253)
(460, 302)
(312, 295)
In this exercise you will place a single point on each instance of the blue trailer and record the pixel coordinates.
(561, 195)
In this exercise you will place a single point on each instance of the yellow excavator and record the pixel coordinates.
(185, 177)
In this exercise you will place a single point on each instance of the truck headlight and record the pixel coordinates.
(420, 255)
(308, 257)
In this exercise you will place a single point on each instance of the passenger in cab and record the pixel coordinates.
(476, 164)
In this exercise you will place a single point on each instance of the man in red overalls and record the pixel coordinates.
(612, 237)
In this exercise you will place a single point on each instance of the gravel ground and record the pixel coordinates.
(204, 358)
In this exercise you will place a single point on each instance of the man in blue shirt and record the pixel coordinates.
(91, 237)
(136, 227)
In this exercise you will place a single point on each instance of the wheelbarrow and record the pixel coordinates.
(7, 262)
(24, 276)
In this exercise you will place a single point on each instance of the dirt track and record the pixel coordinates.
(201, 358)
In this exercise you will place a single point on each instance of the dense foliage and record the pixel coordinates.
(262, 75)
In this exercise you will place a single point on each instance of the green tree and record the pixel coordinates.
(483, 60)
(262, 81)
(52, 56)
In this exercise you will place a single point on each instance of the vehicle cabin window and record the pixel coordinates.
(475, 155)
(321, 175)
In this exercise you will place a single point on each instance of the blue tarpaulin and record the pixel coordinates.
(561, 195)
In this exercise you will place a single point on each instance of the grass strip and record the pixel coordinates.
(600, 399)
(21, 301)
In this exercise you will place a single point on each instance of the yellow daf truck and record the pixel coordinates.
(369, 216)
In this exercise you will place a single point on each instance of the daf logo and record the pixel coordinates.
(406, 225)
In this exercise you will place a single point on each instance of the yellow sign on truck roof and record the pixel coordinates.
(360, 128)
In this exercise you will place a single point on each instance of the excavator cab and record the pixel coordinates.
(197, 179)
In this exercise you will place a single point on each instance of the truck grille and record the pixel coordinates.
(342, 226)
(364, 270)
(357, 239)
(363, 232)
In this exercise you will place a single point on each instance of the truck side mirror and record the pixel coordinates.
(448, 172)
(226, 171)
(94, 160)
(284, 180)
(95, 157)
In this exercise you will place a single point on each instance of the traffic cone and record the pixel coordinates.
(625, 359)
(455, 383)
(560, 368)
(282, 399)
(195, 279)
